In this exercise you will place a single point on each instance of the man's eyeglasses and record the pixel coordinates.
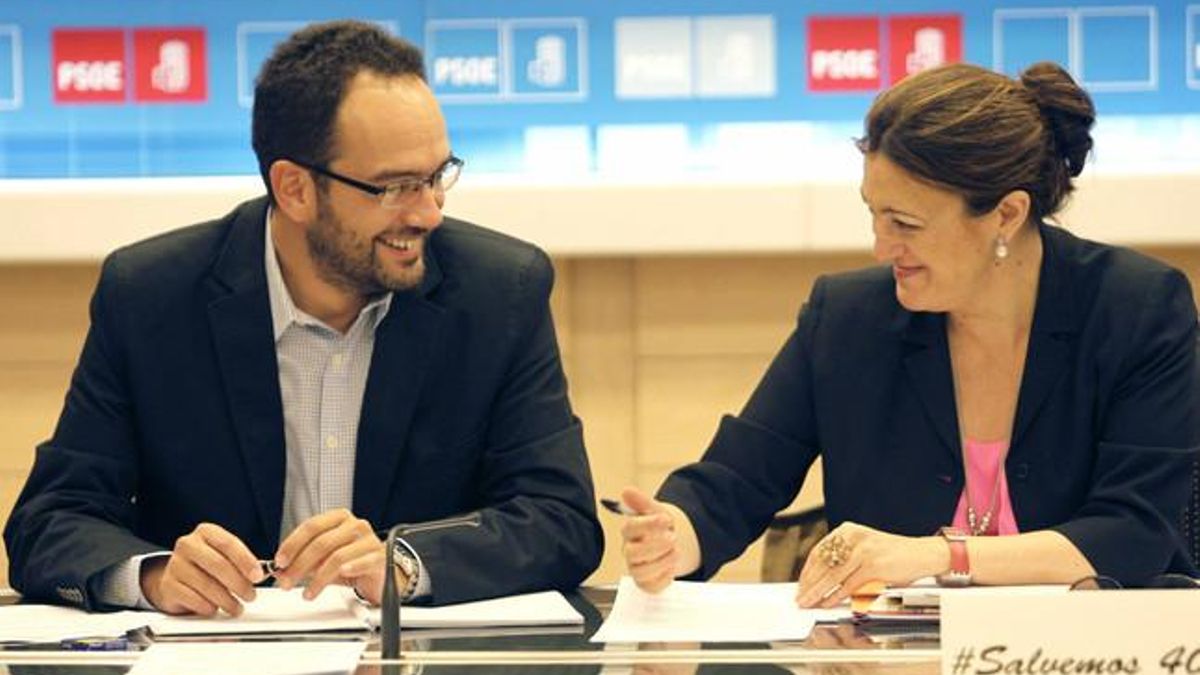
(402, 193)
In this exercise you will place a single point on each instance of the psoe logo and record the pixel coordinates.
(88, 65)
(169, 65)
(91, 65)
(549, 66)
(466, 71)
(843, 53)
(921, 42)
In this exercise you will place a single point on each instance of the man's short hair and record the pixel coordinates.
(299, 88)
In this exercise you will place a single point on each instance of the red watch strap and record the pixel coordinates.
(959, 562)
(959, 573)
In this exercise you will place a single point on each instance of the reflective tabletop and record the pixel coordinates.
(832, 649)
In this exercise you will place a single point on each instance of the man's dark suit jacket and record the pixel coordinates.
(174, 418)
(1107, 422)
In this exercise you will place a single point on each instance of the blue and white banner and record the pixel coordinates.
(164, 87)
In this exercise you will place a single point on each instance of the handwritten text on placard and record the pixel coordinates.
(1079, 633)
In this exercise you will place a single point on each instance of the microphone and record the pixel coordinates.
(390, 610)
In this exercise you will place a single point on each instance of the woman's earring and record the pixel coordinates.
(1001, 248)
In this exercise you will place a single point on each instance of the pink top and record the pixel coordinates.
(984, 461)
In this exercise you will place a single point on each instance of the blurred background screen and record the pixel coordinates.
(739, 89)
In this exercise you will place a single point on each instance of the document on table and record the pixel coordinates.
(547, 608)
(920, 602)
(275, 610)
(926, 592)
(709, 612)
(337, 608)
(262, 658)
(48, 623)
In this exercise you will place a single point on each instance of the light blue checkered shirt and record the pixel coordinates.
(322, 377)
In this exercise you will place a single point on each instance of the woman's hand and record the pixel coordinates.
(852, 555)
(659, 543)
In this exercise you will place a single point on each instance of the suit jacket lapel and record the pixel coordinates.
(928, 366)
(407, 343)
(1047, 361)
(1051, 339)
(240, 318)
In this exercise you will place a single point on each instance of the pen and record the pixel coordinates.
(268, 568)
(617, 506)
(95, 644)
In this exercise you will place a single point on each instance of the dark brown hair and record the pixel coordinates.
(982, 134)
(300, 86)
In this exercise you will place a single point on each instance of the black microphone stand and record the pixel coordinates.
(390, 610)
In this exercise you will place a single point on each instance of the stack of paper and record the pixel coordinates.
(921, 601)
(548, 608)
(47, 623)
(338, 609)
(275, 610)
(688, 611)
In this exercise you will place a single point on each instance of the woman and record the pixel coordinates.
(999, 375)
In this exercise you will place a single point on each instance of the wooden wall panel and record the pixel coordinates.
(45, 318)
(45, 309)
(680, 401)
(600, 368)
(31, 398)
(560, 305)
(735, 305)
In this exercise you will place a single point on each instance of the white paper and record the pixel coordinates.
(928, 593)
(275, 610)
(688, 611)
(48, 623)
(262, 658)
(337, 608)
(547, 608)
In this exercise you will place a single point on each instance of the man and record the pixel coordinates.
(287, 382)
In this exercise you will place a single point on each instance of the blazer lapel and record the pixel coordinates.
(1051, 339)
(407, 343)
(240, 318)
(928, 366)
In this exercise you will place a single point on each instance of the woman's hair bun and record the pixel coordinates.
(1067, 109)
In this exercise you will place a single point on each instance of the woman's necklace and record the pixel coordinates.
(979, 525)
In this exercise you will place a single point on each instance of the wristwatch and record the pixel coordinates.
(960, 565)
(410, 568)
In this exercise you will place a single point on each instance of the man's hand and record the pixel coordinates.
(334, 547)
(209, 570)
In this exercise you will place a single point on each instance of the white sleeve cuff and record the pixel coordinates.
(121, 584)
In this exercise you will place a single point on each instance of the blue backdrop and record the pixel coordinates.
(550, 83)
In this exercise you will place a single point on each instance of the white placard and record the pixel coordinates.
(1142, 632)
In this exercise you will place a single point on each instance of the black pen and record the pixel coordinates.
(617, 506)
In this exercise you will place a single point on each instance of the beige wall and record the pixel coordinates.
(656, 349)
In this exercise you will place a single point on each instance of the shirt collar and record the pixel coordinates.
(284, 311)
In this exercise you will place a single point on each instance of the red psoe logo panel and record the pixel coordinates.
(921, 42)
(88, 65)
(169, 65)
(844, 54)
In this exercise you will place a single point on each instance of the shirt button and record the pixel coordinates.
(338, 360)
(331, 442)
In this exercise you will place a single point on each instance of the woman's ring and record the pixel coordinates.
(834, 551)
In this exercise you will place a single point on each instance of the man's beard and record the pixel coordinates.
(347, 259)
